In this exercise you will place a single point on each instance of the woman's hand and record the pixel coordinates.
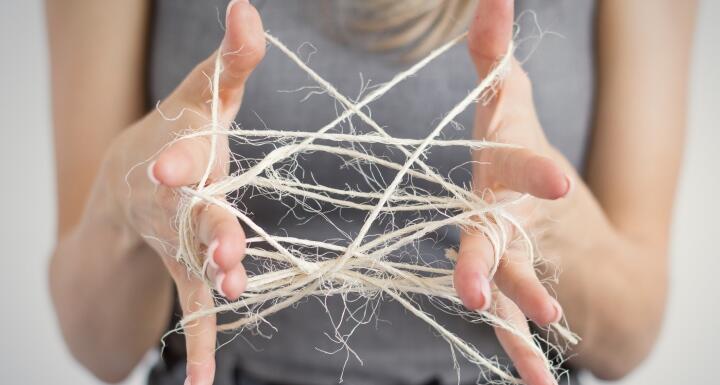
(608, 238)
(150, 204)
(536, 169)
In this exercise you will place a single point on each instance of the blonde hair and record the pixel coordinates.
(413, 27)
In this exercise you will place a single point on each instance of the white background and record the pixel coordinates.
(32, 351)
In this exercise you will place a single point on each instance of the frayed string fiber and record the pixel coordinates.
(296, 268)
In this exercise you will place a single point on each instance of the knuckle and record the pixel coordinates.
(217, 221)
(204, 224)
(517, 282)
(483, 173)
(194, 92)
(198, 147)
(256, 47)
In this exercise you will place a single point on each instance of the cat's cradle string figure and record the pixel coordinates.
(295, 267)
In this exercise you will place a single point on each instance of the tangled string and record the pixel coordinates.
(294, 268)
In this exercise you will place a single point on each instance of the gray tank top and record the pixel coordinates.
(395, 347)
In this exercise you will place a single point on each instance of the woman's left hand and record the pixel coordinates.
(536, 169)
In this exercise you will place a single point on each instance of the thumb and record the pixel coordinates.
(490, 33)
(242, 48)
(489, 37)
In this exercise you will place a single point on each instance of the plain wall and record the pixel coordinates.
(32, 350)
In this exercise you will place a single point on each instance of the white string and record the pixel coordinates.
(292, 272)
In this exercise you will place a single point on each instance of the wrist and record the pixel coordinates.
(106, 214)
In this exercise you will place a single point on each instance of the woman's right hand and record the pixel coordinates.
(147, 202)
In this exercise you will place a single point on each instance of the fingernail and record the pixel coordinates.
(227, 20)
(485, 290)
(558, 311)
(569, 185)
(210, 254)
(187, 381)
(214, 272)
(219, 278)
(151, 173)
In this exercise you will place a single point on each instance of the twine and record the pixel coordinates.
(296, 268)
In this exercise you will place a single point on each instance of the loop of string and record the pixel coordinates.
(360, 267)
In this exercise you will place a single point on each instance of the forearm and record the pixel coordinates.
(626, 290)
(612, 287)
(97, 62)
(111, 293)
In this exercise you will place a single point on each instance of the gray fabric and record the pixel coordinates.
(398, 348)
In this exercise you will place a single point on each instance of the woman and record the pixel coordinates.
(609, 203)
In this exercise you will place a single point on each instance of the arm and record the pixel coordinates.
(607, 237)
(97, 53)
(632, 171)
(99, 267)
(113, 268)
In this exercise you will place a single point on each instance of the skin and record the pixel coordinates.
(112, 288)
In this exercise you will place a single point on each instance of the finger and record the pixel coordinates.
(224, 237)
(200, 335)
(488, 41)
(234, 283)
(244, 44)
(471, 271)
(242, 48)
(520, 170)
(490, 33)
(530, 363)
(517, 280)
(183, 163)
